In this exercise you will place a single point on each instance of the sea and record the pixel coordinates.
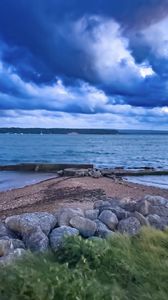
(119, 150)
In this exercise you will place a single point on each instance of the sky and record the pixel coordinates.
(84, 64)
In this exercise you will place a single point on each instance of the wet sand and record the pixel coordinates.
(81, 192)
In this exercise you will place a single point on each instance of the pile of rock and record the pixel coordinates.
(40, 231)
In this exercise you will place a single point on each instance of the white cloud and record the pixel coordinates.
(112, 59)
(156, 36)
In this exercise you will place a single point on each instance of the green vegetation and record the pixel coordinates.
(120, 268)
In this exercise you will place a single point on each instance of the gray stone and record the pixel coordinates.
(142, 207)
(58, 235)
(129, 206)
(156, 200)
(109, 219)
(120, 212)
(95, 173)
(143, 221)
(100, 203)
(161, 211)
(4, 231)
(131, 226)
(91, 214)
(5, 247)
(157, 222)
(66, 214)
(85, 226)
(47, 221)
(29, 222)
(37, 241)
(102, 230)
(15, 243)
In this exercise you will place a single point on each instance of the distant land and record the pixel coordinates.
(74, 131)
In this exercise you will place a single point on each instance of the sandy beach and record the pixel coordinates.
(52, 194)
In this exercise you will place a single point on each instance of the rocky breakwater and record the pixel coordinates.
(39, 232)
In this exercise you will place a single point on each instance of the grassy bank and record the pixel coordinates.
(120, 268)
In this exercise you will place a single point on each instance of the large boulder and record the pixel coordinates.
(66, 214)
(161, 211)
(58, 235)
(102, 230)
(157, 221)
(85, 226)
(26, 223)
(99, 203)
(130, 226)
(143, 221)
(109, 219)
(143, 207)
(91, 214)
(37, 241)
(156, 200)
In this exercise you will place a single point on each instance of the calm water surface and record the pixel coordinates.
(129, 151)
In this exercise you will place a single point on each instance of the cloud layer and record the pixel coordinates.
(82, 64)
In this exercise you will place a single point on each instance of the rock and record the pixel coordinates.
(100, 203)
(85, 226)
(102, 230)
(17, 244)
(120, 212)
(142, 207)
(12, 257)
(157, 222)
(5, 247)
(66, 214)
(4, 231)
(37, 241)
(161, 211)
(109, 219)
(143, 221)
(47, 221)
(28, 222)
(130, 226)
(58, 235)
(95, 173)
(156, 200)
(129, 206)
(91, 214)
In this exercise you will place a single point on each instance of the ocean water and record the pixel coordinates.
(149, 180)
(126, 150)
(10, 180)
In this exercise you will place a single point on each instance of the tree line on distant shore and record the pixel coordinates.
(14, 130)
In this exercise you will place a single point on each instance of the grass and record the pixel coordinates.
(119, 268)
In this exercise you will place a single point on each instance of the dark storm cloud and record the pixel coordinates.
(39, 42)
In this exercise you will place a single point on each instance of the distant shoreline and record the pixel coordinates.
(76, 131)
